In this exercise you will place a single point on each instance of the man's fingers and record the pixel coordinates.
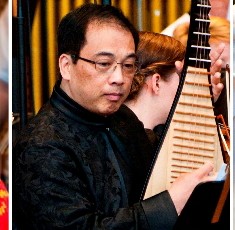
(216, 53)
(179, 66)
(217, 89)
(217, 86)
(216, 67)
(215, 79)
(209, 178)
(205, 170)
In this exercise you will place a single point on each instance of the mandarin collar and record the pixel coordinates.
(72, 109)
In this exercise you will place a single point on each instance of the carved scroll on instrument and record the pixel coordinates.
(191, 135)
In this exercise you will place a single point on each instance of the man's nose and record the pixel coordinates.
(117, 76)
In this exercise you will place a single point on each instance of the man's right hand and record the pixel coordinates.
(184, 185)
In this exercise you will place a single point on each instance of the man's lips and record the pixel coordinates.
(113, 96)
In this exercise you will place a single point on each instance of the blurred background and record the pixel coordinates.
(40, 21)
(40, 32)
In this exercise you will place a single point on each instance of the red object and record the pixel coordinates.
(3, 206)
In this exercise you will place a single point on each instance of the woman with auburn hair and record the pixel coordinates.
(154, 86)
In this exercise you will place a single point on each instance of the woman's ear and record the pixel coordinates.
(156, 83)
(65, 62)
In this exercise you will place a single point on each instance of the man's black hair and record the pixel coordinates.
(72, 28)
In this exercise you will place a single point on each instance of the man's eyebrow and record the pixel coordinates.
(108, 54)
(132, 55)
(104, 54)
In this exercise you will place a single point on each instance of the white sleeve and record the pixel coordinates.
(170, 29)
(4, 45)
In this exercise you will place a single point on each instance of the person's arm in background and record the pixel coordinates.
(219, 8)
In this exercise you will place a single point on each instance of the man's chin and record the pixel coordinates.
(110, 110)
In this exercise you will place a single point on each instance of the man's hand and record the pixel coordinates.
(217, 86)
(184, 185)
(215, 55)
(216, 65)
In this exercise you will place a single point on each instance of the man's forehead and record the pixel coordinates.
(105, 24)
(108, 40)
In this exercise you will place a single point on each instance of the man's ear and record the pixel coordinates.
(65, 62)
(155, 80)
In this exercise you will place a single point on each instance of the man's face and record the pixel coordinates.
(101, 93)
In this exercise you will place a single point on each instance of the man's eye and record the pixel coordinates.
(128, 65)
(104, 64)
